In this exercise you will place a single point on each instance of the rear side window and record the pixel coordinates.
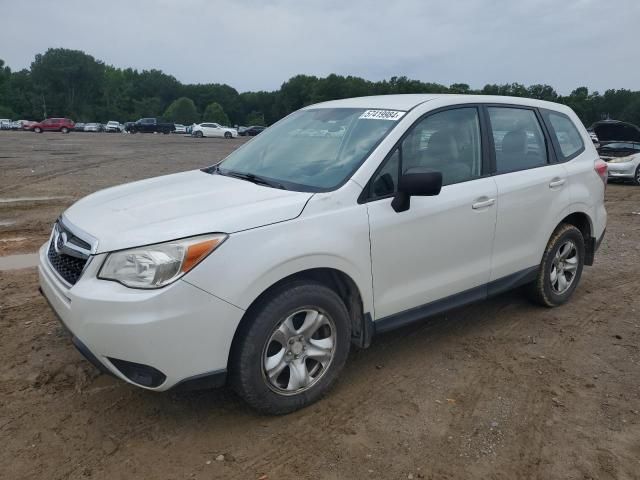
(518, 139)
(566, 133)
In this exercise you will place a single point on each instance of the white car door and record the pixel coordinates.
(533, 190)
(206, 129)
(440, 246)
(214, 130)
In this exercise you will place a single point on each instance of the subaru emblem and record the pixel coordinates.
(61, 241)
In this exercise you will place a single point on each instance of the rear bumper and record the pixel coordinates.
(154, 339)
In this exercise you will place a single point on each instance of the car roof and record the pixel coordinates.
(408, 101)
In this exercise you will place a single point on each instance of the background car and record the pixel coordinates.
(213, 130)
(610, 131)
(252, 131)
(79, 127)
(5, 123)
(151, 125)
(63, 125)
(113, 126)
(17, 124)
(93, 127)
(180, 128)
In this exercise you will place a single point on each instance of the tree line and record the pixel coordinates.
(71, 83)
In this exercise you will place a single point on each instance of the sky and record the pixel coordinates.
(257, 45)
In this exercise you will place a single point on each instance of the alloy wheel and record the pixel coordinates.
(564, 267)
(299, 351)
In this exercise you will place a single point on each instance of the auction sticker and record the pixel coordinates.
(382, 115)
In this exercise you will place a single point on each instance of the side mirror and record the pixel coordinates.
(416, 183)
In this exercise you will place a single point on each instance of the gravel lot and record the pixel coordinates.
(500, 389)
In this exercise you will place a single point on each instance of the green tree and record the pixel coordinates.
(215, 113)
(68, 80)
(255, 118)
(182, 110)
(147, 107)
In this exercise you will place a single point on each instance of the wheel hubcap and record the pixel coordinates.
(564, 267)
(299, 351)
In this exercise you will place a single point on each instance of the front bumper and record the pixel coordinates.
(621, 170)
(180, 331)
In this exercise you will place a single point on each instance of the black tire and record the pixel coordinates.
(64, 130)
(198, 134)
(247, 375)
(542, 291)
(636, 176)
(37, 130)
(228, 135)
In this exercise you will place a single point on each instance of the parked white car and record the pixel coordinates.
(625, 167)
(113, 127)
(92, 127)
(263, 270)
(5, 124)
(213, 130)
(180, 128)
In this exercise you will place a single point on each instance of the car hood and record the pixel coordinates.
(616, 131)
(180, 205)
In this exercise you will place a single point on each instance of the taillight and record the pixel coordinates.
(600, 166)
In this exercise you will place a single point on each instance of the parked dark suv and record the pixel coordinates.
(63, 125)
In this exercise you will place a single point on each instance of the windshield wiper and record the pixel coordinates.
(250, 177)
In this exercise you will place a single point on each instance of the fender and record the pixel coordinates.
(576, 207)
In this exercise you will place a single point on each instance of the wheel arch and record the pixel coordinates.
(333, 278)
(583, 222)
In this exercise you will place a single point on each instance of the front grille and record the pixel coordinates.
(68, 267)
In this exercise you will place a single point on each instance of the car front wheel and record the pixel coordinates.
(198, 134)
(228, 135)
(291, 348)
(561, 267)
(37, 130)
(636, 176)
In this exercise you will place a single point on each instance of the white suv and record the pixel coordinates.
(343, 220)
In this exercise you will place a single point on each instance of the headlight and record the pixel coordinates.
(621, 159)
(155, 266)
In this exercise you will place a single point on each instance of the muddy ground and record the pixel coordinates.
(497, 390)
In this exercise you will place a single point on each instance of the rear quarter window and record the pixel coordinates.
(566, 135)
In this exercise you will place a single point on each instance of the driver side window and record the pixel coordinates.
(447, 142)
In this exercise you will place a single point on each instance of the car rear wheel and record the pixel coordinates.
(636, 177)
(291, 348)
(561, 267)
(228, 135)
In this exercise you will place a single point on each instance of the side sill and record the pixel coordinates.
(455, 301)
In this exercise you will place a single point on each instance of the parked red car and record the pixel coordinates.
(63, 125)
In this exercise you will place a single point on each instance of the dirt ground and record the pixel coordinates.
(497, 390)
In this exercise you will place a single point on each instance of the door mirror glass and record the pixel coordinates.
(416, 182)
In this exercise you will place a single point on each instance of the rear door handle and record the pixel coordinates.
(557, 182)
(484, 203)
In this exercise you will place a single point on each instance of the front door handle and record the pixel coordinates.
(557, 182)
(483, 203)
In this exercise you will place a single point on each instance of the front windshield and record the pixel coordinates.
(313, 150)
